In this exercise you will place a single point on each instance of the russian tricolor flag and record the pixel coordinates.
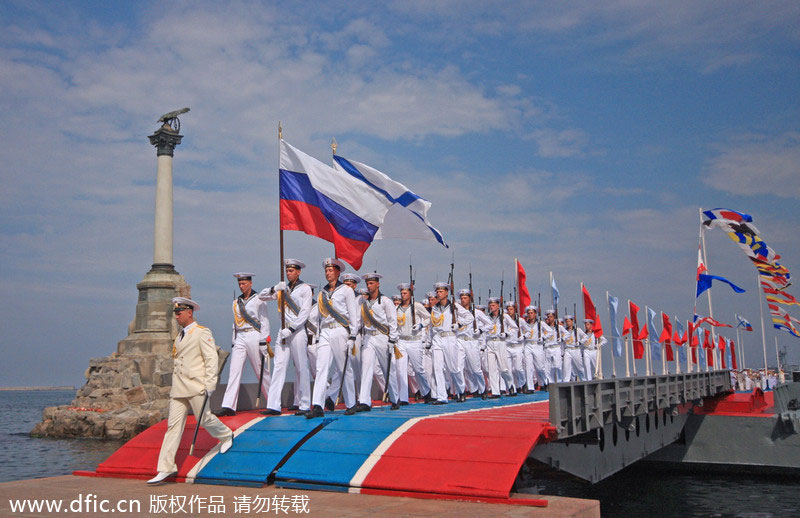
(339, 206)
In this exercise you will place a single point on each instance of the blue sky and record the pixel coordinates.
(580, 139)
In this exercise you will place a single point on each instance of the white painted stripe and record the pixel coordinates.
(376, 455)
(190, 477)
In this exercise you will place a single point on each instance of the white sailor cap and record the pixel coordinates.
(481, 307)
(510, 303)
(431, 294)
(550, 312)
(588, 321)
(350, 277)
(244, 276)
(294, 263)
(494, 299)
(560, 320)
(397, 296)
(464, 291)
(405, 286)
(371, 276)
(440, 284)
(184, 303)
(569, 317)
(361, 291)
(332, 261)
(532, 307)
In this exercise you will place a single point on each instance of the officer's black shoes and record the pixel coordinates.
(329, 404)
(361, 407)
(224, 412)
(316, 411)
(270, 411)
(350, 411)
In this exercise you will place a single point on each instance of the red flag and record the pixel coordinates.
(695, 340)
(522, 289)
(638, 346)
(589, 311)
(626, 326)
(722, 352)
(707, 340)
(721, 345)
(666, 336)
(733, 355)
(709, 349)
(694, 354)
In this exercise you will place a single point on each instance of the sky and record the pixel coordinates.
(580, 139)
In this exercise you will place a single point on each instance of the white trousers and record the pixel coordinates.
(374, 358)
(572, 363)
(438, 370)
(245, 346)
(535, 364)
(516, 354)
(416, 354)
(398, 374)
(449, 348)
(294, 348)
(331, 351)
(176, 420)
(589, 363)
(554, 363)
(474, 373)
(497, 365)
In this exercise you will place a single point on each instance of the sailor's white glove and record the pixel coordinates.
(351, 343)
(284, 333)
(209, 392)
(281, 286)
(502, 336)
(476, 333)
(454, 327)
(417, 328)
(262, 349)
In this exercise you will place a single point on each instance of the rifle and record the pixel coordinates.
(500, 310)
(452, 291)
(472, 301)
(538, 315)
(411, 282)
(516, 312)
(575, 326)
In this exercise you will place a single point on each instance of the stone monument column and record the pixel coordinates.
(165, 140)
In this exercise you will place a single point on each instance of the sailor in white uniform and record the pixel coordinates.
(411, 322)
(591, 345)
(515, 346)
(480, 314)
(294, 301)
(338, 326)
(250, 336)
(443, 341)
(573, 363)
(352, 280)
(470, 341)
(535, 362)
(551, 332)
(379, 318)
(498, 328)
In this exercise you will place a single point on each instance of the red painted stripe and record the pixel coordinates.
(753, 404)
(296, 215)
(530, 502)
(477, 454)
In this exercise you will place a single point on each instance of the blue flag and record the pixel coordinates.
(616, 339)
(682, 350)
(555, 291)
(704, 283)
(655, 345)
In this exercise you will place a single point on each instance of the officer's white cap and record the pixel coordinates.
(404, 286)
(332, 261)
(294, 263)
(464, 291)
(184, 303)
(350, 277)
(244, 276)
(440, 284)
(371, 276)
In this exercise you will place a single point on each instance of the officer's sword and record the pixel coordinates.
(205, 401)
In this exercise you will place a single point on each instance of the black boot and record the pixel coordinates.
(316, 411)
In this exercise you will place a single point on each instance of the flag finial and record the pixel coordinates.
(333, 145)
(280, 131)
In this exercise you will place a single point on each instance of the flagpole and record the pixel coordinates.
(690, 367)
(647, 359)
(708, 292)
(678, 359)
(739, 344)
(761, 308)
(777, 356)
(627, 364)
(626, 344)
(280, 225)
(663, 348)
(613, 363)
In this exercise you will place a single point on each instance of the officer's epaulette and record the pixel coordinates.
(201, 327)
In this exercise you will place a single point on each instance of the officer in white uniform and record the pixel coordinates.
(497, 332)
(552, 347)
(591, 345)
(443, 340)
(470, 343)
(294, 301)
(411, 320)
(250, 336)
(535, 362)
(338, 326)
(515, 346)
(573, 363)
(379, 318)
(194, 377)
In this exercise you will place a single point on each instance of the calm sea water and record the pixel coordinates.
(637, 491)
(23, 457)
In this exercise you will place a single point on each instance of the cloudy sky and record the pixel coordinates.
(581, 140)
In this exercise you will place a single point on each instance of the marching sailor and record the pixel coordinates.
(483, 320)
(294, 300)
(250, 337)
(497, 332)
(552, 347)
(572, 351)
(535, 362)
(515, 346)
(443, 341)
(591, 344)
(338, 327)
(331, 397)
(411, 320)
(194, 377)
(470, 337)
(379, 318)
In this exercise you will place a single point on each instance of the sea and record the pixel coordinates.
(640, 490)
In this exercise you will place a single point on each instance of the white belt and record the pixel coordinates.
(372, 332)
(241, 329)
(570, 347)
(495, 339)
(410, 338)
(553, 346)
(445, 333)
(332, 325)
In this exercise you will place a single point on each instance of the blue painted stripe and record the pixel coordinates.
(297, 187)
